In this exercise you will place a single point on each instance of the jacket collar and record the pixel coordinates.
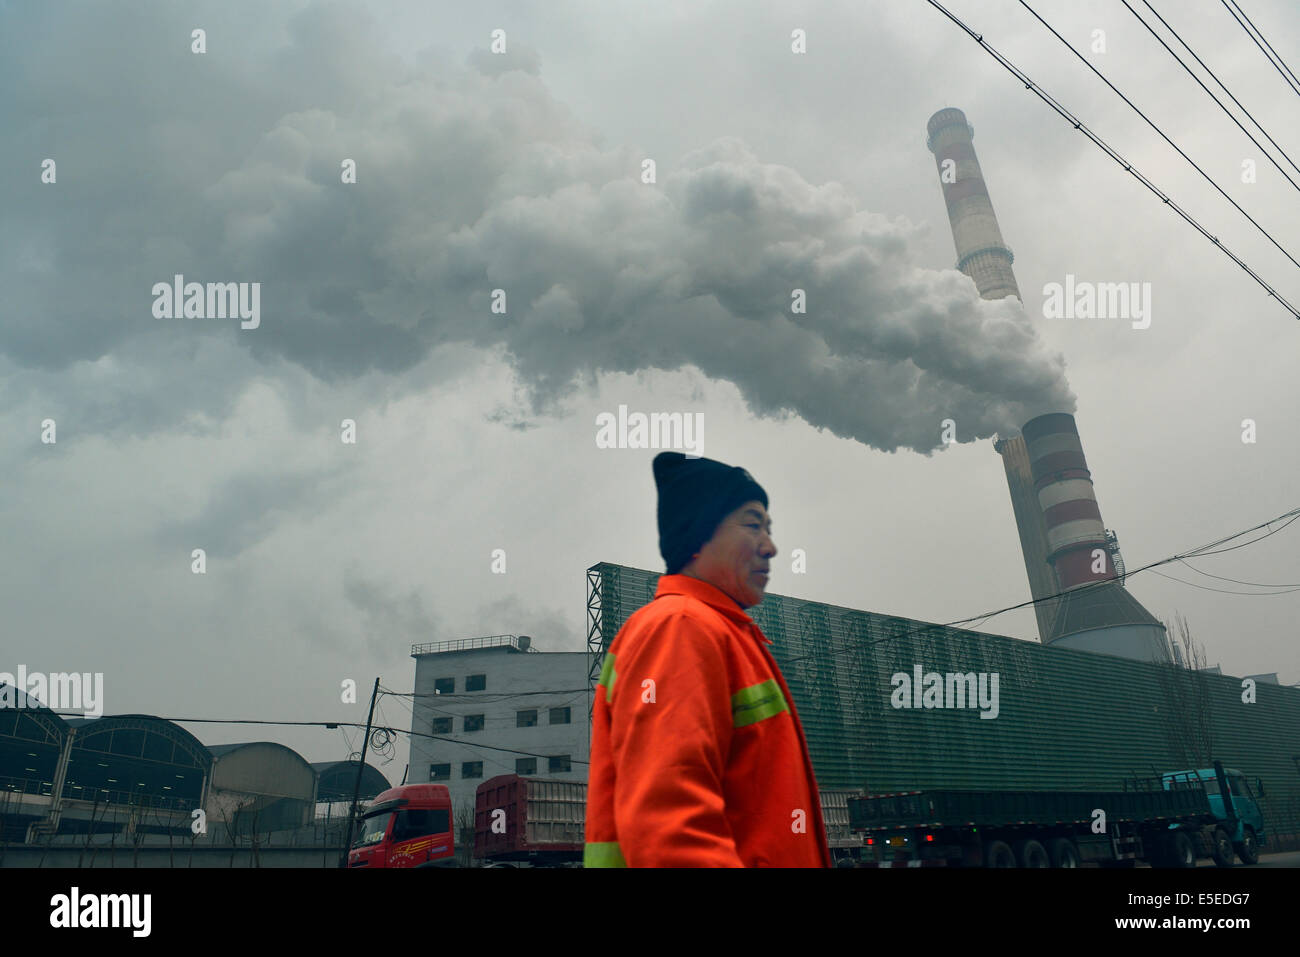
(709, 594)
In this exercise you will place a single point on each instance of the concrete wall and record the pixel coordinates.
(562, 676)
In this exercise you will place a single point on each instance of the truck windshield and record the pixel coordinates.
(373, 829)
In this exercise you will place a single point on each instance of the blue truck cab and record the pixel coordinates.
(1239, 815)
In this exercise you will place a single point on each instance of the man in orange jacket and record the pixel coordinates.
(698, 758)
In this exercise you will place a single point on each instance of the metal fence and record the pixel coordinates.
(1065, 718)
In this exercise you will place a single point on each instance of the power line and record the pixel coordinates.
(331, 725)
(497, 696)
(1079, 125)
(1235, 581)
(1219, 551)
(1202, 550)
(410, 710)
(1292, 516)
(1221, 85)
(491, 747)
(1207, 90)
(1288, 79)
(460, 714)
(474, 745)
(1225, 591)
(1149, 123)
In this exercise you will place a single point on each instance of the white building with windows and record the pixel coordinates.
(494, 706)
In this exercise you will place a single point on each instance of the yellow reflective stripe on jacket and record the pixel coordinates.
(757, 702)
(607, 676)
(603, 854)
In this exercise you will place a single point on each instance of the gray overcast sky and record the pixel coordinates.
(476, 431)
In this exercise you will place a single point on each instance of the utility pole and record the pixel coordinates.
(356, 792)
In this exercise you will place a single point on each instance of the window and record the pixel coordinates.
(373, 829)
(525, 765)
(476, 683)
(445, 686)
(473, 722)
(440, 772)
(442, 725)
(471, 769)
(526, 719)
(558, 764)
(560, 716)
(419, 822)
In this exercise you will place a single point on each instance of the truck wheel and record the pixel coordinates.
(1248, 849)
(1062, 852)
(1178, 851)
(1221, 847)
(1030, 853)
(998, 854)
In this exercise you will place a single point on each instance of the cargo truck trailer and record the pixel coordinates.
(1173, 820)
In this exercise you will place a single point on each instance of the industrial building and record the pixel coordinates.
(496, 705)
(112, 789)
(259, 786)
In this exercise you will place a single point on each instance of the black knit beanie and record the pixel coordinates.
(695, 495)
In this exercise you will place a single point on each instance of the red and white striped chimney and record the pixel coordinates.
(1070, 511)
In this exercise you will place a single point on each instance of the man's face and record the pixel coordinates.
(737, 559)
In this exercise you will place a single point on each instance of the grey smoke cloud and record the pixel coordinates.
(473, 177)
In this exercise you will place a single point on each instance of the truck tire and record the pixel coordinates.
(1030, 853)
(1178, 850)
(1062, 852)
(1221, 847)
(998, 854)
(1248, 849)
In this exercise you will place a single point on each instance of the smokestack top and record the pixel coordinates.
(1047, 424)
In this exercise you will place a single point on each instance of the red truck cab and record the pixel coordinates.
(407, 826)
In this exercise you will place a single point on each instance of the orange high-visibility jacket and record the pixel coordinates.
(698, 758)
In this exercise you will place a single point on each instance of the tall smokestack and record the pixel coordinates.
(1074, 527)
(982, 255)
(1095, 613)
(1066, 548)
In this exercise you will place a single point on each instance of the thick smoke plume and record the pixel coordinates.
(471, 178)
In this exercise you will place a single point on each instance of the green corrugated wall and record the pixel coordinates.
(1067, 719)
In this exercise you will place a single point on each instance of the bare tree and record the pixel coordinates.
(1187, 707)
(235, 820)
(103, 811)
(465, 835)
